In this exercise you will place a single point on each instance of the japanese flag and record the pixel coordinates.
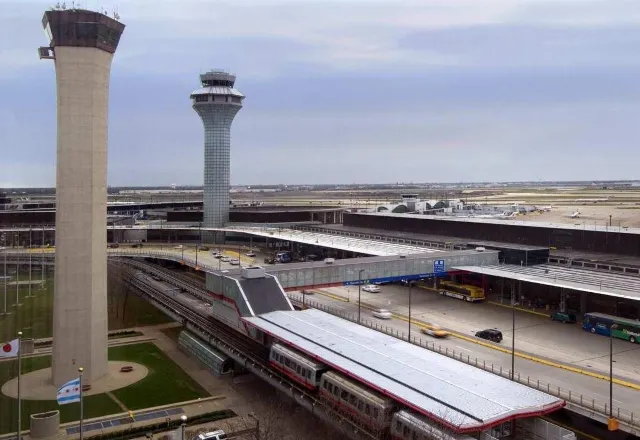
(9, 349)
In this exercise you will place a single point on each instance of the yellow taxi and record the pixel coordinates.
(434, 330)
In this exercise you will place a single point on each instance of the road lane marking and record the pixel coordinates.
(519, 354)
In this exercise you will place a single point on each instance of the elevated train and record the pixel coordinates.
(368, 408)
(378, 413)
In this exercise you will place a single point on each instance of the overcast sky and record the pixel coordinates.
(348, 91)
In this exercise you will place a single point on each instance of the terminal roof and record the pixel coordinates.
(462, 397)
(583, 280)
(353, 244)
(579, 225)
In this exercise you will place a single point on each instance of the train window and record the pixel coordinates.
(398, 426)
(286, 362)
(360, 406)
(309, 374)
(335, 391)
(367, 409)
(344, 395)
(298, 369)
(376, 413)
(405, 431)
(352, 400)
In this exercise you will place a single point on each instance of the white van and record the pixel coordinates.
(218, 434)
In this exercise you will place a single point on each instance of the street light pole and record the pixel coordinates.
(359, 289)
(513, 330)
(611, 329)
(410, 288)
(183, 426)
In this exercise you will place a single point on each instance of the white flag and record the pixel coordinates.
(69, 392)
(10, 349)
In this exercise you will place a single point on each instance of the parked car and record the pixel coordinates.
(490, 334)
(564, 317)
(218, 434)
(234, 262)
(250, 254)
(382, 314)
(371, 288)
(225, 259)
(204, 248)
(114, 245)
(434, 330)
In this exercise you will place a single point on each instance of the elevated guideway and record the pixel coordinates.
(311, 274)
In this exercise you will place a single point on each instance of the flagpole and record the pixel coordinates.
(80, 370)
(19, 373)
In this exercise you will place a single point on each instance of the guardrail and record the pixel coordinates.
(624, 416)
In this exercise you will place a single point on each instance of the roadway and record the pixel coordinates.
(546, 351)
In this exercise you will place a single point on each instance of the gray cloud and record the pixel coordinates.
(352, 91)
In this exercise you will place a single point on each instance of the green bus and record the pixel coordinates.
(628, 329)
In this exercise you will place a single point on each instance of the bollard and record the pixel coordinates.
(593, 404)
(446, 350)
(468, 361)
(548, 388)
(538, 383)
(580, 399)
(484, 365)
(569, 394)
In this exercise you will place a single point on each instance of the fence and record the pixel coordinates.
(568, 395)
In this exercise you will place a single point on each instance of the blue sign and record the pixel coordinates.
(383, 280)
(438, 266)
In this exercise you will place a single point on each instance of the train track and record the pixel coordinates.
(206, 322)
(235, 344)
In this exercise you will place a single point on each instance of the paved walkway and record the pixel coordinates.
(37, 385)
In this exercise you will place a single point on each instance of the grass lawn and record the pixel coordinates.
(35, 315)
(166, 383)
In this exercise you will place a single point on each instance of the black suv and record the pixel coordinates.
(490, 334)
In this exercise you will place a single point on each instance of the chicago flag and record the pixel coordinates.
(69, 392)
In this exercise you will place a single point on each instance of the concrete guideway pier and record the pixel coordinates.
(82, 44)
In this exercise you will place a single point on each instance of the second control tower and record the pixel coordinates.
(217, 103)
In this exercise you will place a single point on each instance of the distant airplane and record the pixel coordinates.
(502, 215)
(575, 215)
(545, 208)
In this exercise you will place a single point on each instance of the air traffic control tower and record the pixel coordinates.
(82, 44)
(217, 103)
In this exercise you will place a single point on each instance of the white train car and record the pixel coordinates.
(298, 367)
(365, 405)
(406, 425)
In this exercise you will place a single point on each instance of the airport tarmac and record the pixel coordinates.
(560, 354)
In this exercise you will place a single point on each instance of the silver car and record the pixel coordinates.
(382, 314)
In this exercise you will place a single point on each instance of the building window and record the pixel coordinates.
(201, 98)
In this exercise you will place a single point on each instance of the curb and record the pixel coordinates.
(519, 354)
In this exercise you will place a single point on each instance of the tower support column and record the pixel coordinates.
(82, 43)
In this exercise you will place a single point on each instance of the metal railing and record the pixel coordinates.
(624, 416)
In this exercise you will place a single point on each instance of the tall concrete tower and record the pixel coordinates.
(217, 103)
(82, 43)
